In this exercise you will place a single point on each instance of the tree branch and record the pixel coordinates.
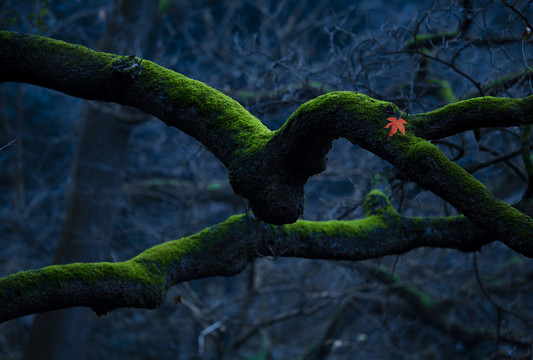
(214, 119)
(271, 168)
(472, 114)
(224, 250)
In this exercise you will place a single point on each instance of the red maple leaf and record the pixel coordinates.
(395, 125)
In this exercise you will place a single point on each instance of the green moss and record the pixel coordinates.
(362, 107)
(443, 90)
(172, 251)
(27, 282)
(508, 216)
(77, 54)
(424, 298)
(149, 267)
(335, 228)
(481, 330)
(422, 223)
(482, 105)
(500, 83)
(246, 95)
(467, 184)
(222, 113)
(376, 203)
(420, 149)
(233, 223)
(514, 260)
(213, 187)
(426, 40)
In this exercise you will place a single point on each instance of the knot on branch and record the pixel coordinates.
(130, 65)
(273, 198)
(278, 203)
(377, 203)
(275, 193)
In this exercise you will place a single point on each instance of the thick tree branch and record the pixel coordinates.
(223, 250)
(214, 119)
(271, 168)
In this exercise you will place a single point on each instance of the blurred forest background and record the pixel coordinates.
(129, 182)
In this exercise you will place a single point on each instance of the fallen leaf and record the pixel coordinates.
(395, 125)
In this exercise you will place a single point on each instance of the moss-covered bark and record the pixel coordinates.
(270, 168)
(225, 249)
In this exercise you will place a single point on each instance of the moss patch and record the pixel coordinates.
(222, 114)
(335, 228)
(359, 105)
(493, 106)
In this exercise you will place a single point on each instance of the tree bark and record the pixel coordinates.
(225, 249)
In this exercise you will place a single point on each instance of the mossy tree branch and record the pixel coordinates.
(271, 168)
(472, 114)
(223, 250)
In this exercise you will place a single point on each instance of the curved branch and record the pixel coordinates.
(223, 250)
(358, 118)
(271, 168)
(214, 119)
(472, 114)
